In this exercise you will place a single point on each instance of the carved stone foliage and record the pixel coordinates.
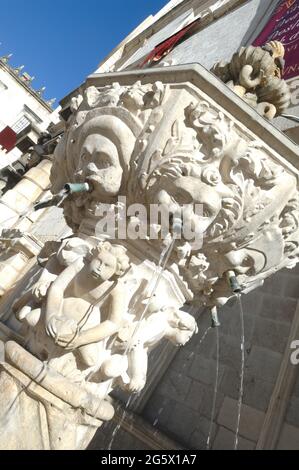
(102, 302)
(255, 74)
(172, 146)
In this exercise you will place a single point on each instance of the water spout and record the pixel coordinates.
(233, 282)
(57, 199)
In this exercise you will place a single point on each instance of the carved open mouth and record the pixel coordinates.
(96, 275)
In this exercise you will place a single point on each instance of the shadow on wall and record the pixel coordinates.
(263, 13)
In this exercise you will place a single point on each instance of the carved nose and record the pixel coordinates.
(91, 168)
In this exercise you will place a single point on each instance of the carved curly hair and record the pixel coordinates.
(119, 253)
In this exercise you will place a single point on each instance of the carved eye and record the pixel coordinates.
(183, 197)
(247, 260)
(102, 161)
(206, 213)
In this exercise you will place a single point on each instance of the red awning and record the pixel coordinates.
(162, 49)
(8, 138)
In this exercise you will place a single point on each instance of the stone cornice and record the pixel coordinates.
(202, 78)
(26, 87)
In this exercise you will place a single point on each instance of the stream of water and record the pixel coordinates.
(241, 391)
(119, 425)
(156, 277)
(215, 390)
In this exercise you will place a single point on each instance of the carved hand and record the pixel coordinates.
(51, 326)
(40, 289)
(59, 327)
(68, 342)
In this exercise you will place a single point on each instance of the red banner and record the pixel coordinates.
(284, 27)
(162, 49)
(8, 138)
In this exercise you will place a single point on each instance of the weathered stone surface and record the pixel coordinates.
(271, 335)
(278, 308)
(205, 369)
(292, 416)
(263, 363)
(251, 419)
(225, 441)
(199, 438)
(182, 422)
(289, 439)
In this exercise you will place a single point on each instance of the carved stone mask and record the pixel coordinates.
(244, 261)
(198, 202)
(100, 165)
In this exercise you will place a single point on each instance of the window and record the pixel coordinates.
(21, 124)
(25, 118)
(31, 115)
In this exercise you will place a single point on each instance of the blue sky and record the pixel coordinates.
(60, 42)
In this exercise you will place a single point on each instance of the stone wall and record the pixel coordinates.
(219, 40)
(187, 387)
(181, 404)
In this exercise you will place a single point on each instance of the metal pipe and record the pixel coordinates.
(69, 188)
(233, 282)
(72, 188)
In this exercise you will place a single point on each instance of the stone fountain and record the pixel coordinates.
(175, 137)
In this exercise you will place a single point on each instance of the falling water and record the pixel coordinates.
(160, 269)
(215, 390)
(204, 336)
(62, 199)
(242, 372)
(164, 257)
(121, 420)
(156, 277)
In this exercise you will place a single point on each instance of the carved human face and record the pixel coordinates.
(100, 165)
(133, 99)
(103, 266)
(198, 202)
(244, 261)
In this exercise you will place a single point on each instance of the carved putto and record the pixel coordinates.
(255, 74)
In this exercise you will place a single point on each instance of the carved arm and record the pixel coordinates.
(113, 323)
(57, 289)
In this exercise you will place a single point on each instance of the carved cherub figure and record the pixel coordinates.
(138, 339)
(86, 303)
(28, 307)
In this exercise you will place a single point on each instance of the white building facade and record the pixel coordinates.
(23, 112)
